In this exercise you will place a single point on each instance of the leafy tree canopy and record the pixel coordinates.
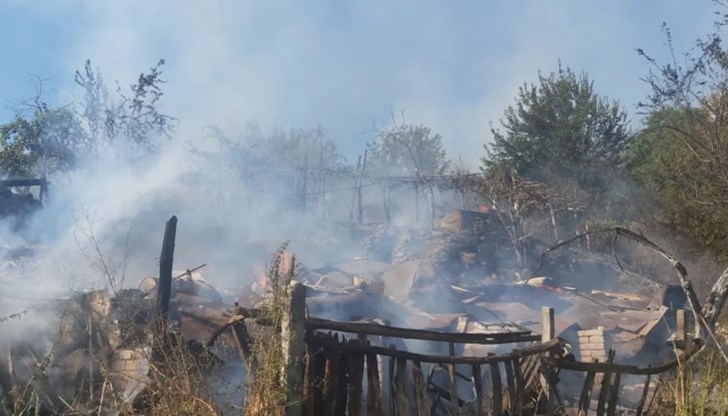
(48, 141)
(407, 150)
(559, 127)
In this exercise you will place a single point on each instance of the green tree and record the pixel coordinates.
(559, 128)
(693, 201)
(47, 142)
(408, 150)
(682, 155)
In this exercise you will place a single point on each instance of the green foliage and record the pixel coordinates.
(134, 118)
(682, 155)
(699, 387)
(559, 128)
(52, 140)
(46, 143)
(408, 150)
(693, 198)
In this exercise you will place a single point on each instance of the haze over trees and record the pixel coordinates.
(562, 153)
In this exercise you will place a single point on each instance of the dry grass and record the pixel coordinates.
(266, 392)
(698, 387)
(177, 380)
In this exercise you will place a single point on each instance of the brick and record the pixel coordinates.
(596, 339)
(592, 346)
(588, 332)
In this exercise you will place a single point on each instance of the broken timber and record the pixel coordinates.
(166, 260)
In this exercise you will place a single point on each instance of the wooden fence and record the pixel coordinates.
(359, 368)
(364, 368)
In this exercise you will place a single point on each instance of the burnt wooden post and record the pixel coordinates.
(548, 332)
(166, 259)
(293, 331)
(452, 372)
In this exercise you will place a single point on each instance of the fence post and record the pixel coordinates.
(293, 330)
(681, 333)
(548, 332)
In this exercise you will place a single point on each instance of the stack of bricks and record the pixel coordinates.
(592, 344)
(129, 369)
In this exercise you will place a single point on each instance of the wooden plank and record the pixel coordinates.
(319, 381)
(530, 367)
(520, 388)
(419, 390)
(410, 356)
(643, 398)
(511, 383)
(603, 393)
(548, 332)
(586, 394)
(374, 396)
(342, 381)
(330, 383)
(356, 373)
(497, 389)
(618, 368)
(613, 395)
(604, 390)
(478, 381)
(392, 393)
(400, 387)
(454, 405)
(308, 383)
(407, 333)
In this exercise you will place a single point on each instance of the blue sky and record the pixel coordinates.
(342, 64)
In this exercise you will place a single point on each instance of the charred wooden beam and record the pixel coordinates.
(407, 333)
(418, 390)
(166, 260)
(478, 382)
(400, 388)
(497, 389)
(454, 406)
(374, 396)
(553, 345)
(643, 398)
(620, 368)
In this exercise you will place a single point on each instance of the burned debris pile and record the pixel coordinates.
(458, 278)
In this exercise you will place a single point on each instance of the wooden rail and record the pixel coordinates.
(552, 345)
(519, 336)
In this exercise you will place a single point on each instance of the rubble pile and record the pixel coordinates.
(458, 277)
(104, 346)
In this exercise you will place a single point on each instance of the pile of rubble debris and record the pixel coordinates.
(448, 279)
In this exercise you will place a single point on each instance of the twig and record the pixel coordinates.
(189, 272)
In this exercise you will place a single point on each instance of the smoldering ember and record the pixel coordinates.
(427, 320)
